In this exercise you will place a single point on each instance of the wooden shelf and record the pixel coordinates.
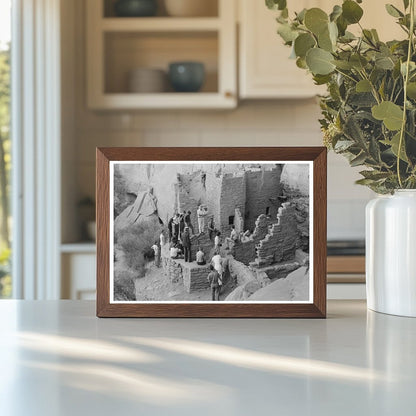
(128, 101)
(346, 264)
(160, 24)
(87, 247)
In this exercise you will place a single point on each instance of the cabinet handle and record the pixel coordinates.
(229, 94)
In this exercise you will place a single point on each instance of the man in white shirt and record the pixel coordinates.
(200, 257)
(174, 252)
(217, 241)
(217, 263)
(156, 250)
(201, 214)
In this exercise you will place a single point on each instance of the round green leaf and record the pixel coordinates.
(411, 90)
(303, 43)
(324, 41)
(301, 63)
(358, 61)
(363, 86)
(351, 11)
(316, 20)
(344, 65)
(319, 61)
(391, 114)
(384, 62)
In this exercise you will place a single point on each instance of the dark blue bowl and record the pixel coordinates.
(186, 76)
(135, 8)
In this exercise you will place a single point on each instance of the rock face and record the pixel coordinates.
(239, 273)
(143, 211)
(278, 270)
(296, 178)
(295, 287)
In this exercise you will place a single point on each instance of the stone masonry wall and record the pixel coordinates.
(195, 277)
(280, 244)
(213, 184)
(261, 228)
(244, 252)
(203, 241)
(172, 269)
(233, 196)
(263, 188)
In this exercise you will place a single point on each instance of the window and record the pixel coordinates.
(5, 159)
(231, 220)
(268, 211)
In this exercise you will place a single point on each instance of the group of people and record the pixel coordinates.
(180, 228)
(180, 221)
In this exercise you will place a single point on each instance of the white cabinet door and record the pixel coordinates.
(265, 68)
(78, 276)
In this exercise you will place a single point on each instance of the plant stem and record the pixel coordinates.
(406, 80)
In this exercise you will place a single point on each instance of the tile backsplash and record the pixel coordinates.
(257, 123)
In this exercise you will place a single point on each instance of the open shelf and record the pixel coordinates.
(160, 24)
(119, 45)
(211, 10)
(126, 51)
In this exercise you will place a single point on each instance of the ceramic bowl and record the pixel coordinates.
(147, 80)
(186, 76)
(135, 8)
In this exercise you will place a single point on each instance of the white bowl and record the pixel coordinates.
(147, 80)
(191, 8)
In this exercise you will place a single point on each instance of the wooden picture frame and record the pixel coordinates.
(314, 157)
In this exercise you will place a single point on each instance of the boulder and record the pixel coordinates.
(295, 287)
(143, 211)
(236, 295)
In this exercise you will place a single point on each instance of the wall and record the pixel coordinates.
(233, 195)
(261, 185)
(254, 123)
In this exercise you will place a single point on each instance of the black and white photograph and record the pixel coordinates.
(211, 232)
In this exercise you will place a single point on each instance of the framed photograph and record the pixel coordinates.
(211, 232)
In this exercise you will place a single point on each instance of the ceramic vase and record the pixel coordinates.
(391, 253)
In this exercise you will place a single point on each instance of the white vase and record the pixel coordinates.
(391, 253)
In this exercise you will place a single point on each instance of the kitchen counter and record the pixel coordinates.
(57, 358)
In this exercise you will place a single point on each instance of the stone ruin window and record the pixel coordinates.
(268, 211)
(231, 220)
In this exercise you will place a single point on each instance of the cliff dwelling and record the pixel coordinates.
(258, 212)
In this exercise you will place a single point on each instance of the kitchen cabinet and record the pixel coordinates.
(265, 70)
(78, 262)
(118, 45)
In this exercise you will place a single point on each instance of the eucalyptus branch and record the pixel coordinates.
(406, 80)
(346, 75)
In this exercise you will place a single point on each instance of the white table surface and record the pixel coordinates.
(57, 358)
